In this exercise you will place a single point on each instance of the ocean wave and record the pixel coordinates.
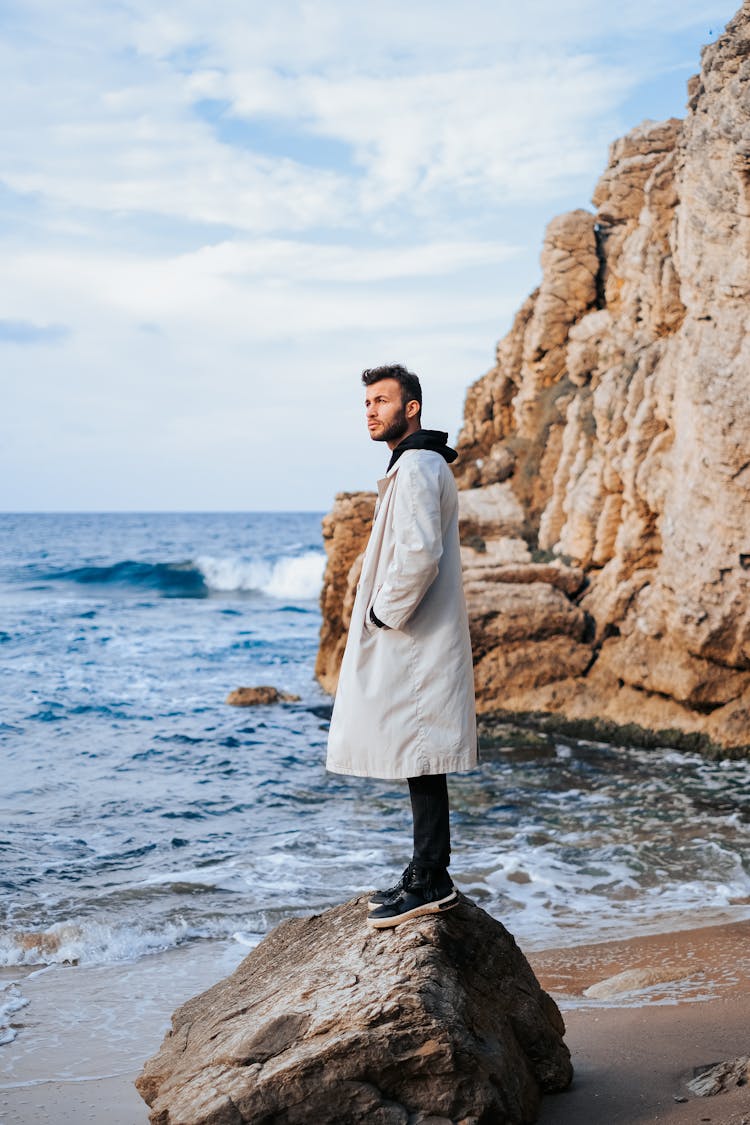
(292, 577)
(176, 580)
(90, 943)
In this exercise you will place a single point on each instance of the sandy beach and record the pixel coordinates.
(632, 1063)
(111, 1100)
(682, 1006)
(672, 1004)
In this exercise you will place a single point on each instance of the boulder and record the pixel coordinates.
(327, 1021)
(255, 696)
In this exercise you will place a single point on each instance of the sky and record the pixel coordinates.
(214, 216)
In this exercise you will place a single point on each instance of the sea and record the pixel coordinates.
(150, 832)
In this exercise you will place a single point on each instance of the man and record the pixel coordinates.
(405, 700)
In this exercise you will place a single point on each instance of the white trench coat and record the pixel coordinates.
(405, 699)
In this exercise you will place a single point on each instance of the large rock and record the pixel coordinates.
(613, 433)
(259, 696)
(441, 1020)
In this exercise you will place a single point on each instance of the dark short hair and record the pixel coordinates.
(410, 385)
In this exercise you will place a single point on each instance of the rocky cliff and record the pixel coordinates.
(605, 458)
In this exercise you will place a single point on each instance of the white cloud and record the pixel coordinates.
(312, 262)
(495, 103)
(373, 186)
(257, 292)
(501, 130)
(330, 33)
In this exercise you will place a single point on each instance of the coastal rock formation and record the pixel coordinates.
(611, 440)
(255, 696)
(345, 532)
(330, 1022)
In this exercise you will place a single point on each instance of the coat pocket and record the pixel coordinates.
(369, 624)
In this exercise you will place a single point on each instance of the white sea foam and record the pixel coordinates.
(299, 577)
(547, 900)
(90, 943)
(294, 577)
(11, 1001)
(217, 876)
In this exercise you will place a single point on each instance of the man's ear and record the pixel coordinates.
(412, 408)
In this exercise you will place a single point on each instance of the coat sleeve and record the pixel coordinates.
(416, 529)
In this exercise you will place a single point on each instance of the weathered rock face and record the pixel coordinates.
(329, 1022)
(613, 434)
(522, 616)
(345, 532)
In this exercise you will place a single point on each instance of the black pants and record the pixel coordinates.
(432, 833)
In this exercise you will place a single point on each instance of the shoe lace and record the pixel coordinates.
(405, 877)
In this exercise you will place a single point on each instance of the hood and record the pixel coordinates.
(436, 440)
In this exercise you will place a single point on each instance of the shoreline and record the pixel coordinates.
(662, 1005)
(522, 725)
(681, 966)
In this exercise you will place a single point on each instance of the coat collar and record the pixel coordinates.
(385, 481)
(392, 472)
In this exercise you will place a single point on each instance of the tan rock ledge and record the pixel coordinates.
(329, 1022)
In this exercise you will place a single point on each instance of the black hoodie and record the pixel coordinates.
(436, 440)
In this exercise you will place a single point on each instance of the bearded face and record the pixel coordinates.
(388, 416)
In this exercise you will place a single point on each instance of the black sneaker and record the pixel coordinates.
(378, 898)
(424, 892)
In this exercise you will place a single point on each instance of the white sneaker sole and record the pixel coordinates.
(437, 907)
(377, 905)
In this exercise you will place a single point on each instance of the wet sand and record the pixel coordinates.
(671, 1005)
(632, 1063)
(85, 1032)
(683, 1005)
(103, 1101)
